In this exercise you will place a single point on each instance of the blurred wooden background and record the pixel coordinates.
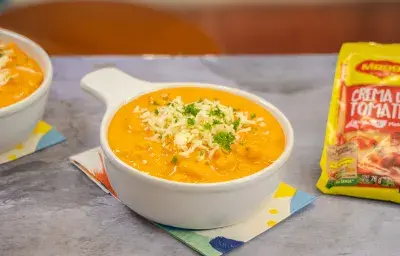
(298, 29)
(122, 28)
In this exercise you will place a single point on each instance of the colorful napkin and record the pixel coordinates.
(213, 242)
(42, 137)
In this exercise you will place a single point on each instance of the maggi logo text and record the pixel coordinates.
(379, 68)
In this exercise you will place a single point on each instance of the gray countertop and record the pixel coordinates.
(48, 207)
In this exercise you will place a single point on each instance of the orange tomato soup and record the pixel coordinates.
(20, 75)
(195, 135)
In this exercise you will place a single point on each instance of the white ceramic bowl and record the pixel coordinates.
(184, 205)
(18, 120)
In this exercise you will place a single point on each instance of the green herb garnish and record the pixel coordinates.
(190, 121)
(215, 121)
(224, 139)
(200, 100)
(236, 124)
(191, 110)
(156, 112)
(155, 103)
(253, 116)
(207, 126)
(174, 160)
(217, 112)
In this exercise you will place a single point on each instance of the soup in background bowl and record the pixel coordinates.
(20, 75)
(219, 182)
(25, 78)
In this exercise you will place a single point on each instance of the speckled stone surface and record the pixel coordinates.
(48, 207)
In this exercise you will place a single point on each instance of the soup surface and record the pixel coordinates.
(20, 75)
(195, 135)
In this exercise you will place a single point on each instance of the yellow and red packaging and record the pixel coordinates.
(361, 155)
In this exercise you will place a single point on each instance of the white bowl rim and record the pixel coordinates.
(44, 86)
(225, 185)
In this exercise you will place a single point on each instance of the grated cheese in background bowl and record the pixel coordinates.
(4, 73)
(205, 125)
(5, 57)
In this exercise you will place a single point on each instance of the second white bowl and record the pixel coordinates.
(18, 120)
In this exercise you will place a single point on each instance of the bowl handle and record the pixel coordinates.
(112, 86)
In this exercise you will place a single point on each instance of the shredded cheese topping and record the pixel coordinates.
(4, 59)
(204, 125)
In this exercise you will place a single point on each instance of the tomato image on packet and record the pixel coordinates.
(361, 155)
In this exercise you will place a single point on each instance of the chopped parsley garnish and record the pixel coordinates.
(207, 126)
(174, 160)
(236, 124)
(235, 109)
(191, 110)
(215, 121)
(190, 121)
(197, 127)
(217, 112)
(224, 140)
